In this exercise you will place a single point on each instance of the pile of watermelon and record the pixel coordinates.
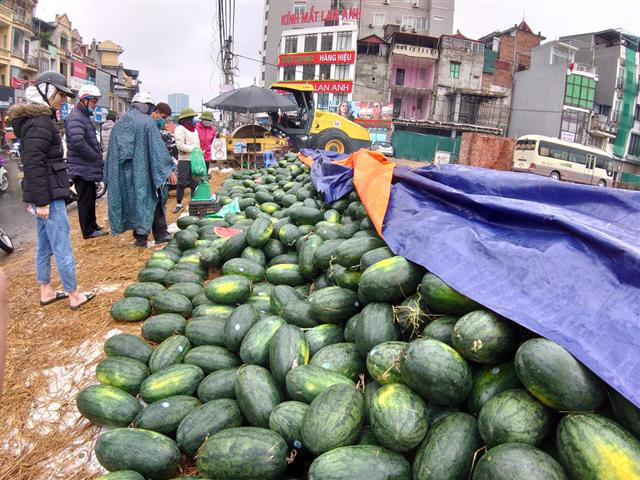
(302, 348)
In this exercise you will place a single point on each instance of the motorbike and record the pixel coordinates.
(14, 152)
(4, 176)
(5, 242)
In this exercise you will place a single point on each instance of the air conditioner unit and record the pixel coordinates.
(623, 62)
(416, 5)
(386, 2)
(371, 25)
(413, 30)
(403, 29)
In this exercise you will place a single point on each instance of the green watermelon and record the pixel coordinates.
(333, 305)
(349, 253)
(257, 394)
(374, 256)
(334, 419)
(218, 384)
(160, 327)
(189, 290)
(237, 326)
(171, 302)
(143, 289)
(383, 362)
(246, 268)
(169, 352)
(484, 337)
(322, 336)
(122, 372)
(211, 358)
(165, 415)
(155, 456)
(441, 329)
(447, 452)
(298, 312)
(128, 345)
(324, 254)
(513, 416)
(184, 222)
(273, 248)
(233, 247)
(284, 258)
(436, 371)
(122, 475)
(288, 349)
(259, 232)
(228, 289)
(210, 257)
(281, 295)
(288, 235)
(255, 255)
(212, 311)
(390, 280)
(131, 309)
(350, 328)
(306, 382)
(207, 420)
(155, 275)
(244, 453)
(375, 326)
(177, 379)
(205, 331)
(307, 250)
(285, 274)
(519, 460)
(254, 349)
(286, 420)
(183, 273)
(593, 447)
(439, 297)
(489, 381)
(107, 405)
(342, 358)
(398, 417)
(556, 378)
(360, 462)
(626, 413)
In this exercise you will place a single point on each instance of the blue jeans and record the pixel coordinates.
(54, 238)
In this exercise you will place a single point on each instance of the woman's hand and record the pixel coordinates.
(42, 212)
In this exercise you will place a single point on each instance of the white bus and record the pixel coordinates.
(562, 160)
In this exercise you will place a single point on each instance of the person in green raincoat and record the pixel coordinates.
(138, 167)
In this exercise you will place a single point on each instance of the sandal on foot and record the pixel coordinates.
(59, 296)
(90, 296)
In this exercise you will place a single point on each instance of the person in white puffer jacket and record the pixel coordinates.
(186, 140)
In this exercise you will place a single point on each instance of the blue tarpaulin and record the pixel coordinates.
(560, 259)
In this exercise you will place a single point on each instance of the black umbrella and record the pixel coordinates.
(252, 100)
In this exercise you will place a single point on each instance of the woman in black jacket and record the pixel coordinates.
(46, 185)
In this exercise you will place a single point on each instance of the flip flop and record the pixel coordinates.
(59, 296)
(90, 296)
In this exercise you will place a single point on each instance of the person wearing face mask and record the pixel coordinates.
(160, 115)
(84, 155)
(186, 140)
(206, 133)
(45, 186)
(137, 169)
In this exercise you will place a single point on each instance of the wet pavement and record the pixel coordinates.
(14, 218)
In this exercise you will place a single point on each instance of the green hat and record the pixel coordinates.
(186, 113)
(206, 116)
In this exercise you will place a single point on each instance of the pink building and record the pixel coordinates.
(412, 64)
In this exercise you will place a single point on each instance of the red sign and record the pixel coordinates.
(328, 86)
(370, 123)
(314, 58)
(79, 70)
(316, 16)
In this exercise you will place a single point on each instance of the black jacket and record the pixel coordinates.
(45, 171)
(84, 153)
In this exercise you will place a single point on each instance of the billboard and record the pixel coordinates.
(316, 58)
(314, 16)
(374, 116)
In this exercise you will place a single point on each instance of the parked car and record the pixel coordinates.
(383, 147)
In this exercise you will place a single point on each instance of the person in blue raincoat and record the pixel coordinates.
(138, 167)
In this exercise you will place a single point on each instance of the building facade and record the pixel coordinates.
(178, 101)
(324, 57)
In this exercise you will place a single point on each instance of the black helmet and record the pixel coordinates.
(57, 80)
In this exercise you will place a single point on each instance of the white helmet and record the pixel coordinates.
(89, 91)
(143, 97)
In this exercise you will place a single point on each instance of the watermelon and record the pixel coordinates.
(322, 336)
(122, 475)
(165, 415)
(143, 289)
(447, 451)
(513, 416)
(390, 280)
(155, 275)
(306, 382)
(342, 358)
(591, 446)
(218, 384)
(334, 419)
(556, 378)
(350, 328)
(332, 216)
(333, 305)
(398, 417)
(367, 437)
(169, 352)
(484, 337)
(205, 421)
(237, 326)
(257, 394)
(177, 379)
(131, 309)
(306, 215)
(210, 258)
(324, 254)
(436, 372)
(375, 326)
(189, 290)
(205, 331)
(186, 272)
(160, 327)
(262, 289)
(212, 311)
(200, 299)
(284, 258)
(184, 222)
(259, 232)
(626, 413)
(254, 349)
(234, 246)
(286, 420)
(349, 253)
(273, 248)
(211, 358)
(489, 381)
(298, 312)
(228, 289)
(439, 297)
(162, 263)
(518, 460)
(122, 372)
(128, 345)
(244, 453)
(360, 462)
(246, 268)
(155, 456)
(383, 362)
(308, 248)
(441, 329)
(171, 302)
(288, 349)
(255, 255)
(328, 230)
(281, 295)
(374, 256)
(269, 207)
(288, 235)
(285, 274)
(107, 405)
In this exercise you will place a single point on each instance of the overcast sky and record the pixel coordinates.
(172, 42)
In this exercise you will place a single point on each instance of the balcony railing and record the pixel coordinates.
(5, 54)
(601, 123)
(415, 51)
(17, 52)
(32, 61)
(6, 13)
(23, 19)
(581, 67)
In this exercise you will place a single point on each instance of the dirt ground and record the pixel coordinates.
(52, 353)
